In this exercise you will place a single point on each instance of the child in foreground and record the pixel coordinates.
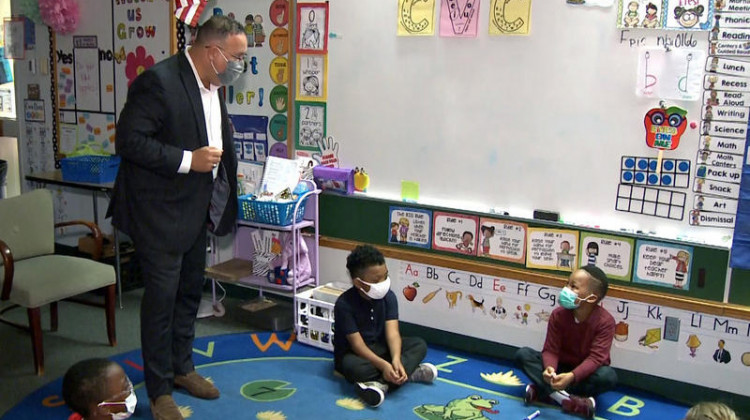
(98, 389)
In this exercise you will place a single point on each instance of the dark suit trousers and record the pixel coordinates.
(357, 369)
(173, 284)
(530, 361)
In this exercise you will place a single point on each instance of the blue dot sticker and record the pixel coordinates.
(653, 179)
(652, 165)
(629, 163)
(683, 166)
(627, 176)
(642, 164)
(640, 177)
(666, 180)
(668, 165)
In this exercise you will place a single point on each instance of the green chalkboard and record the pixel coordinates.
(365, 219)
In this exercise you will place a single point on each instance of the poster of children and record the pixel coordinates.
(502, 240)
(665, 265)
(410, 227)
(612, 254)
(455, 233)
(551, 249)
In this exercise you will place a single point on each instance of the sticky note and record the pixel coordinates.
(409, 191)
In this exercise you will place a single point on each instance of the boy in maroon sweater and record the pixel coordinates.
(573, 366)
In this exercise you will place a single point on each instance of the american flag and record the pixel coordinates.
(189, 11)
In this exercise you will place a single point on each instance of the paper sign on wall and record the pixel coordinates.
(510, 17)
(416, 17)
(610, 253)
(455, 233)
(677, 74)
(666, 265)
(459, 18)
(502, 240)
(551, 249)
(410, 227)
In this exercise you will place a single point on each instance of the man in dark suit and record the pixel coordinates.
(176, 179)
(722, 355)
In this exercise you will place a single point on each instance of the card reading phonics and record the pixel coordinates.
(610, 253)
(666, 265)
(455, 233)
(410, 227)
(551, 249)
(502, 240)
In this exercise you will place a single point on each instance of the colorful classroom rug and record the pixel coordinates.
(269, 376)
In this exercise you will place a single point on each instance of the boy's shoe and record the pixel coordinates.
(586, 407)
(425, 372)
(372, 393)
(531, 394)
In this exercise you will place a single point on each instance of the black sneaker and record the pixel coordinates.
(372, 393)
(585, 407)
(531, 394)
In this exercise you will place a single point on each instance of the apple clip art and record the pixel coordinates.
(664, 126)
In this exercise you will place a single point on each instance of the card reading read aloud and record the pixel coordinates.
(610, 253)
(410, 227)
(455, 233)
(551, 249)
(502, 240)
(666, 265)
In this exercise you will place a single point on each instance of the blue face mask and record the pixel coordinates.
(568, 298)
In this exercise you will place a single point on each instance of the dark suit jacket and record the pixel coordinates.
(162, 117)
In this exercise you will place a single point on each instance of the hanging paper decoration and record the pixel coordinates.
(60, 15)
(664, 126)
(30, 9)
(189, 11)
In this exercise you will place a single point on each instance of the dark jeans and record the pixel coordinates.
(357, 369)
(530, 361)
(173, 285)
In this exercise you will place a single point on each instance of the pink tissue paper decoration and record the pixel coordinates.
(60, 15)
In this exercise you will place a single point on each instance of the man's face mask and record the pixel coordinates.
(233, 70)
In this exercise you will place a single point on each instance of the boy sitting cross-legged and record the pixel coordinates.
(368, 348)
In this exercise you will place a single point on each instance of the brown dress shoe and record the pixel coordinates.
(164, 408)
(196, 385)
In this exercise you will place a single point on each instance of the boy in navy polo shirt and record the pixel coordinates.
(368, 348)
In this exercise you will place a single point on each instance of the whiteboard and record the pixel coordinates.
(515, 122)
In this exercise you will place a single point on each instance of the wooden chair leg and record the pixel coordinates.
(109, 307)
(53, 316)
(35, 327)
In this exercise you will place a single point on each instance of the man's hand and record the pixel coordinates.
(562, 381)
(205, 159)
(548, 374)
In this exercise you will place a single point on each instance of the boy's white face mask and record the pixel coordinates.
(377, 290)
(130, 402)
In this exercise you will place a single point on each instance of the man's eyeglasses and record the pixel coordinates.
(242, 58)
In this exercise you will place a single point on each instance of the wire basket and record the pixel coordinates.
(94, 169)
(269, 212)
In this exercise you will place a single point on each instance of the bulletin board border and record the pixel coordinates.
(708, 269)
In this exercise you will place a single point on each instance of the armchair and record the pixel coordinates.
(33, 276)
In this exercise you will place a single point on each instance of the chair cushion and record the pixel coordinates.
(49, 278)
(28, 224)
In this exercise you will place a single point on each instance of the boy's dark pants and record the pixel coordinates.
(530, 361)
(357, 369)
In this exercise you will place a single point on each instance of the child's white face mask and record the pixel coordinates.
(130, 402)
(377, 290)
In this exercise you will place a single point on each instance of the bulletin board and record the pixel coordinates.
(93, 67)
(542, 121)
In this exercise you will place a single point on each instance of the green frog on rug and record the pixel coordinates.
(470, 408)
